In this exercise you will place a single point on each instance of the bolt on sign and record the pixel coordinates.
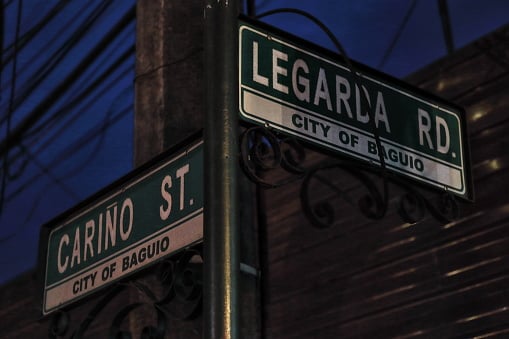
(306, 91)
(149, 215)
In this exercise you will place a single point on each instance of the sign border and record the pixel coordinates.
(373, 75)
(128, 179)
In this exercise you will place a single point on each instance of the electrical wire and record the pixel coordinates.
(24, 96)
(22, 166)
(7, 4)
(5, 163)
(100, 86)
(97, 131)
(92, 83)
(320, 24)
(64, 127)
(400, 30)
(443, 10)
(48, 126)
(32, 32)
(66, 101)
(56, 58)
(2, 38)
(129, 53)
(101, 80)
(42, 108)
(100, 133)
(98, 73)
(120, 50)
(188, 55)
(250, 8)
(70, 150)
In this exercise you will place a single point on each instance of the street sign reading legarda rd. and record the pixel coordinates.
(151, 215)
(306, 91)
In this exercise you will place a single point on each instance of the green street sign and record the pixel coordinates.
(306, 91)
(152, 213)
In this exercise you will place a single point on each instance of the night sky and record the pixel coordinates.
(67, 89)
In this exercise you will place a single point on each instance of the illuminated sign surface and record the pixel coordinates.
(305, 91)
(148, 217)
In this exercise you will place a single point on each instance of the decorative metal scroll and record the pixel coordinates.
(263, 152)
(177, 294)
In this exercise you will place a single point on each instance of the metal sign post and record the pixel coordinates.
(221, 213)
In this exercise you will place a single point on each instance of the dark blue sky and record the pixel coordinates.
(74, 69)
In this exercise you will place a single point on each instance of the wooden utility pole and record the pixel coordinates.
(169, 75)
(168, 96)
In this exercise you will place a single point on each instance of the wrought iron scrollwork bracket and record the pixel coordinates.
(180, 279)
(262, 151)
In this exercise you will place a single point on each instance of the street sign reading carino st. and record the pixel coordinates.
(308, 92)
(146, 217)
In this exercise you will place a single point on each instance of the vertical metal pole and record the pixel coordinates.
(221, 229)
